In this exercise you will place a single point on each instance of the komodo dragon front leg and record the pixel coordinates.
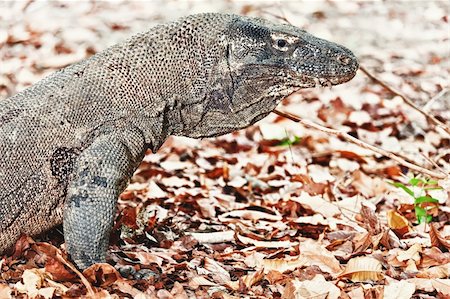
(101, 174)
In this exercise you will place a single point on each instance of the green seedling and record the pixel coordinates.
(423, 202)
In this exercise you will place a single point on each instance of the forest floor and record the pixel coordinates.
(279, 210)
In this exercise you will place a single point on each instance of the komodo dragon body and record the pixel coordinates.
(70, 143)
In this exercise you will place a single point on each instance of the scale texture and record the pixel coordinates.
(70, 143)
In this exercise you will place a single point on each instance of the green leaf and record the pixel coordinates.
(289, 141)
(406, 189)
(423, 199)
(416, 181)
(431, 182)
(422, 216)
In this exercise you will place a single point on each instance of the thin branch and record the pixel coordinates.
(430, 103)
(407, 100)
(433, 163)
(360, 143)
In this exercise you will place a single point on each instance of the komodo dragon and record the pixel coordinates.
(70, 142)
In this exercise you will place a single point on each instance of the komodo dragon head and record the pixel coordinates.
(266, 62)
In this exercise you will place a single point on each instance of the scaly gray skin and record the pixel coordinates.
(70, 143)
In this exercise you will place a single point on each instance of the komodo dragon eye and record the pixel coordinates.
(281, 43)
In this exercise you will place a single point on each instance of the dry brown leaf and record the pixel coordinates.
(154, 191)
(178, 291)
(442, 271)
(317, 288)
(275, 276)
(283, 265)
(398, 223)
(21, 245)
(362, 242)
(247, 280)
(318, 204)
(413, 253)
(422, 284)
(434, 257)
(442, 286)
(56, 253)
(430, 285)
(357, 293)
(207, 207)
(5, 291)
(362, 269)
(223, 295)
(437, 239)
(104, 294)
(399, 290)
(145, 258)
(175, 181)
(219, 274)
(249, 215)
(370, 220)
(266, 244)
(33, 281)
(214, 237)
(58, 271)
(197, 281)
(102, 274)
(315, 254)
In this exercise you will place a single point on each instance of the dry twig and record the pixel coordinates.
(87, 284)
(430, 103)
(360, 143)
(407, 100)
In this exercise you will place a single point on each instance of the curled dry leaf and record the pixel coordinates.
(58, 271)
(363, 269)
(102, 274)
(437, 239)
(247, 280)
(398, 223)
